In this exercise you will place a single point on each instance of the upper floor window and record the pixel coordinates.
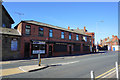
(77, 37)
(90, 40)
(62, 35)
(27, 29)
(85, 38)
(50, 33)
(41, 33)
(70, 35)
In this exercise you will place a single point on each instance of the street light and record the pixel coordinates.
(96, 34)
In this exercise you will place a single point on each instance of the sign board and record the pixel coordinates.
(38, 51)
(38, 42)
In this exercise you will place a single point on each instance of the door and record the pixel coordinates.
(27, 50)
(50, 50)
(70, 50)
(113, 48)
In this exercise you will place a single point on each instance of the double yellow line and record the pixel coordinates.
(100, 76)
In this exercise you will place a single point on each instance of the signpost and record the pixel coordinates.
(39, 48)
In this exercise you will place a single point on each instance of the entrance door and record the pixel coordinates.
(27, 50)
(50, 50)
(70, 50)
(113, 48)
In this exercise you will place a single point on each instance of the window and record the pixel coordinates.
(41, 33)
(50, 33)
(14, 45)
(27, 30)
(62, 35)
(76, 48)
(70, 35)
(60, 48)
(85, 38)
(3, 25)
(90, 40)
(77, 37)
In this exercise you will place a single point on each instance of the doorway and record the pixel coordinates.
(27, 50)
(50, 50)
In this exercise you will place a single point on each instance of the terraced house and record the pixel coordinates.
(112, 44)
(49, 40)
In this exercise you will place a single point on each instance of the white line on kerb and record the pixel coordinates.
(22, 69)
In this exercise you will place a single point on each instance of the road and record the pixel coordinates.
(70, 66)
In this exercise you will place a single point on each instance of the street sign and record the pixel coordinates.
(38, 52)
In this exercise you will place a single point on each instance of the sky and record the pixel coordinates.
(73, 14)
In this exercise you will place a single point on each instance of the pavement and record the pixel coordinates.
(62, 67)
(32, 68)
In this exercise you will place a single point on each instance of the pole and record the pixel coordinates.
(92, 75)
(39, 60)
(117, 73)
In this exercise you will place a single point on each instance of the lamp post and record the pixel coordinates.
(96, 34)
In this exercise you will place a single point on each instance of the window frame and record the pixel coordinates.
(62, 35)
(70, 36)
(50, 32)
(77, 37)
(40, 30)
(28, 29)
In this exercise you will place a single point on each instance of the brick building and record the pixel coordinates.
(111, 43)
(85, 31)
(9, 38)
(50, 40)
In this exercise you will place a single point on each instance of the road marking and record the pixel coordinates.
(11, 71)
(107, 73)
(65, 63)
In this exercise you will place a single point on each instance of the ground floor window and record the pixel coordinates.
(76, 48)
(14, 44)
(86, 48)
(60, 48)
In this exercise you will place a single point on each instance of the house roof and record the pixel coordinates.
(109, 40)
(51, 26)
(9, 31)
(12, 21)
(79, 31)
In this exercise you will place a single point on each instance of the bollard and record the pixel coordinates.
(39, 61)
(92, 75)
(117, 71)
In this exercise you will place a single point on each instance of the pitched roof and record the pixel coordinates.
(51, 26)
(79, 31)
(109, 40)
(9, 31)
(3, 8)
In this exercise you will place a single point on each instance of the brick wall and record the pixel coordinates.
(56, 38)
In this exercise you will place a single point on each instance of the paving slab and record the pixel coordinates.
(31, 68)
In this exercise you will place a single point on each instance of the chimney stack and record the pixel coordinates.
(68, 28)
(108, 37)
(112, 36)
(84, 29)
(77, 28)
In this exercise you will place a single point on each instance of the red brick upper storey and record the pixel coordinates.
(56, 31)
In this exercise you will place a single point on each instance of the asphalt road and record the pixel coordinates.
(70, 67)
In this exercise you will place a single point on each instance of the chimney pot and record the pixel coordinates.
(68, 28)
(84, 29)
(112, 36)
